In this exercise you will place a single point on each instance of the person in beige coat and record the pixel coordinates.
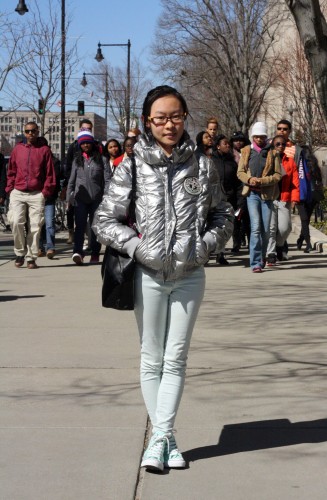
(260, 171)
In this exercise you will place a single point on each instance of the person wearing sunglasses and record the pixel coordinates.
(31, 179)
(281, 221)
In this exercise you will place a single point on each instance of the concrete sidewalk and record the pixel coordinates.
(252, 423)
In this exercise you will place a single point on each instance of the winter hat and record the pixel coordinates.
(84, 136)
(238, 136)
(259, 128)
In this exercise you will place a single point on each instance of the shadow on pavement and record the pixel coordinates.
(261, 435)
(7, 298)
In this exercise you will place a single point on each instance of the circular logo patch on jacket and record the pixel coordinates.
(192, 185)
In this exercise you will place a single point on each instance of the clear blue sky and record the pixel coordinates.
(113, 21)
(105, 21)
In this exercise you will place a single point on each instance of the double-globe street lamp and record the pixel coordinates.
(106, 94)
(99, 57)
(22, 9)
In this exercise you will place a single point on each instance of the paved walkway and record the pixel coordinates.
(253, 419)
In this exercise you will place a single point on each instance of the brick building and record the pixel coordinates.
(12, 128)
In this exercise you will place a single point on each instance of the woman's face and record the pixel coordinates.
(86, 147)
(280, 145)
(129, 146)
(224, 146)
(207, 139)
(169, 134)
(113, 149)
(260, 140)
(238, 145)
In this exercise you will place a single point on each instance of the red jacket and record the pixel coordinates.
(31, 168)
(290, 184)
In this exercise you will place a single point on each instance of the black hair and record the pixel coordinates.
(218, 139)
(278, 136)
(105, 149)
(32, 123)
(85, 120)
(95, 153)
(157, 93)
(129, 139)
(285, 122)
(199, 137)
(312, 163)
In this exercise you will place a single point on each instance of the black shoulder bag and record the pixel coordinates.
(118, 269)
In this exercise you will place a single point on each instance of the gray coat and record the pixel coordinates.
(89, 182)
(180, 218)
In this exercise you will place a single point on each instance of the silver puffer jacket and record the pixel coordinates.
(180, 218)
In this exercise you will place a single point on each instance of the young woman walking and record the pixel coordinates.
(180, 220)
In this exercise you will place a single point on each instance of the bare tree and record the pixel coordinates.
(298, 88)
(39, 75)
(117, 88)
(220, 53)
(312, 27)
(9, 59)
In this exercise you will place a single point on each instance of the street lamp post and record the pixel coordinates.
(99, 57)
(63, 83)
(22, 9)
(106, 94)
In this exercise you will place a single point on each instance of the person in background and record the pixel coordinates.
(89, 179)
(238, 141)
(134, 132)
(231, 186)
(260, 171)
(311, 192)
(204, 143)
(128, 146)
(31, 179)
(84, 125)
(48, 230)
(212, 127)
(281, 221)
(180, 220)
(111, 151)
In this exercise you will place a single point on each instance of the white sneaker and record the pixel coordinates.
(153, 457)
(78, 259)
(172, 456)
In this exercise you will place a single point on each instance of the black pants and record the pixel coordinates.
(305, 211)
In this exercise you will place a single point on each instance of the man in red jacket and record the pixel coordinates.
(30, 180)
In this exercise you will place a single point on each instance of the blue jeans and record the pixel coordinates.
(260, 215)
(165, 312)
(83, 211)
(47, 236)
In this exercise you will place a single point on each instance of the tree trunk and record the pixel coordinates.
(312, 28)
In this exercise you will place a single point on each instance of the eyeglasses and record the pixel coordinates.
(282, 128)
(162, 120)
(280, 144)
(31, 131)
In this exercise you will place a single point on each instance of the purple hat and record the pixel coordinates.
(85, 136)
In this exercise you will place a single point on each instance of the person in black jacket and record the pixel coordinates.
(231, 187)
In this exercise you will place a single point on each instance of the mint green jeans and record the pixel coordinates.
(165, 313)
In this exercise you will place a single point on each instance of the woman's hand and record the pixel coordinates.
(254, 181)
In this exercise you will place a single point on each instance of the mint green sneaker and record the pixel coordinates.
(153, 457)
(172, 456)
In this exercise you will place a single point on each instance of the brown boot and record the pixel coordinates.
(71, 237)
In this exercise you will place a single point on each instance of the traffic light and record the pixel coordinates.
(41, 106)
(80, 108)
